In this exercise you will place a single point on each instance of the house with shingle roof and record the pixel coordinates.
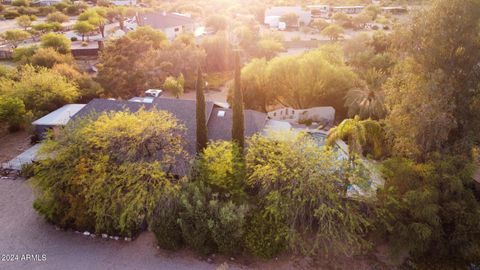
(172, 24)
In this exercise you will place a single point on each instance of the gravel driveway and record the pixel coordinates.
(23, 231)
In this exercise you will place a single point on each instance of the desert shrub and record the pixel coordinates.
(12, 112)
(221, 168)
(164, 223)
(48, 57)
(265, 236)
(194, 219)
(209, 224)
(24, 55)
(108, 172)
(11, 14)
(73, 38)
(303, 188)
(20, 3)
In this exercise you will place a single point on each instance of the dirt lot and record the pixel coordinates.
(12, 144)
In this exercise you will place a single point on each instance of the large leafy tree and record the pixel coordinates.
(42, 90)
(444, 40)
(107, 174)
(430, 213)
(127, 66)
(15, 37)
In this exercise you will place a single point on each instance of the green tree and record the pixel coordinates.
(123, 72)
(217, 22)
(83, 28)
(255, 85)
(441, 234)
(291, 19)
(174, 85)
(15, 37)
(360, 135)
(43, 90)
(333, 31)
(421, 112)
(122, 175)
(58, 17)
(202, 132)
(58, 42)
(269, 48)
(238, 128)
(24, 21)
(298, 202)
(12, 112)
(48, 57)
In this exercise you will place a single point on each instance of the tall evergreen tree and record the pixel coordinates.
(202, 132)
(237, 106)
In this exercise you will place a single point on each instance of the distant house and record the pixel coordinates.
(45, 2)
(394, 10)
(56, 119)
(91, 49)
(219, 119)
(124, 2)
(323, 115)
(172, 24)
(273, 15)
(319, 11)
(348, 9)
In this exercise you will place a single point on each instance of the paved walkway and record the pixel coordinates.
(24, 158)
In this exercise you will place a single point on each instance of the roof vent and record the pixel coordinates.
(221, 113)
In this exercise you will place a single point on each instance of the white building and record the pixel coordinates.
(124, 2)
(45, 2)
(171, 24)
(348, 9)
(273, 15)
(324, 115)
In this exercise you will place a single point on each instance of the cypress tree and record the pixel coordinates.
(237, 107)
(202, 133)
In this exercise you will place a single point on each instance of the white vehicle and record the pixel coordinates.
(153, 92)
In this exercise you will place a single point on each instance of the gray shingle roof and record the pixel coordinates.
(160, 20)
(219, 128)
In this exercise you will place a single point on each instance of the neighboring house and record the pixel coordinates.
(394, 10)
(322, 115)
(348, 9)
(319, 11)
(91, 49)
(124, 2)
(172, 24)
(56, 119)
(45, 2)
(273, 16)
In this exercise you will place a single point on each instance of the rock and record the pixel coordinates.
(232, 259)
(104, 235)
(128, 239)
(77, 232)
(111, 237)
(209, 260)
(116, 237)
(93, 235)
(57, 228)
(86, 233)
(158, 247)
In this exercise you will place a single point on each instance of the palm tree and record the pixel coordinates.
(360, 135)
(367, 101)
